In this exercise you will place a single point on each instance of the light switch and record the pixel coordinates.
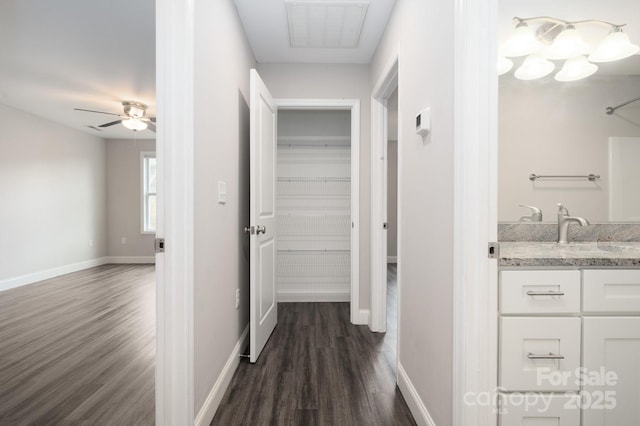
(222, 192)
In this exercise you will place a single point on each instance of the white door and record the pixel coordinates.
(612, 344)
(263, 303)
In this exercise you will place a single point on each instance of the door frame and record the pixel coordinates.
(384, 88)
(353, 105)
(175, 213)
(475, 276)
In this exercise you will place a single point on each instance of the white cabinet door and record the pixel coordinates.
(539, 354)
(538, 409)
(611, 344)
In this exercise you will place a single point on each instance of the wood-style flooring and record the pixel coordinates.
(79, 349)
(319, 369)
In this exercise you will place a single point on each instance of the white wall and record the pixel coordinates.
(420, 32)
(52, 195)
(555, 128)
(221, 103)
(326, 81)
(124, 198)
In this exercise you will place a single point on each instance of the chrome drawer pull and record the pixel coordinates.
(549, 356)
(545, 293)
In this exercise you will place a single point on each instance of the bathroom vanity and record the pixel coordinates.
(569, 334)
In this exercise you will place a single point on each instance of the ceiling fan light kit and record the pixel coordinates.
(558, 39)
(134, 117)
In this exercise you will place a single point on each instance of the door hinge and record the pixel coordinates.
(159, 245)
(385, 225)
(494, 250)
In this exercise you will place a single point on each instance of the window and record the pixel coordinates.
(148, 160)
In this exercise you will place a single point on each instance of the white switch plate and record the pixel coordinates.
(237, 298)
(123, 240)
(222, 192)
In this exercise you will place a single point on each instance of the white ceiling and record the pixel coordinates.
(615, 11)
(60, 54)
(265, 23)
(56, 55)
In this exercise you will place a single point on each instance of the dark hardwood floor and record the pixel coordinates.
(79, 349)
(319, 369)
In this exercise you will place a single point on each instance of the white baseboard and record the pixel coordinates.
(362, 317)
(314, 296)
(131, 259)
(35, 277)
(392, 259)
(210, 406)
(417, 407)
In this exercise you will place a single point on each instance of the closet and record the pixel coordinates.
(314, 206)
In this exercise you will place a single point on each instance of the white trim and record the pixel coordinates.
(175, 212)
(362, 317)
(211, 404)
(34, 277)
(416, 406)
(475, 190)
(392, 259)
(354, 106)
(131, 259)
(383, 88)
(312, 295)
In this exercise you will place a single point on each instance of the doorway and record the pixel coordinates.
(331, 202)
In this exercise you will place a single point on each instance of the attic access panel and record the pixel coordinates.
(336, 25)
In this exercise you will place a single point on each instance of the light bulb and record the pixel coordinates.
(522, 41)
(504, 65)
(567, 44)
(134, 124)
(576, 69)
(534, 66)
(615, 46)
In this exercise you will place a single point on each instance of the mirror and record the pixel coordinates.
(552, 128)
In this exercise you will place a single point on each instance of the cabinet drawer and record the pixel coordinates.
(611, 290)
(535, 352)
(545, 292)
(539, 410)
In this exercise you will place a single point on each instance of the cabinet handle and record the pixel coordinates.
(545, 293)
(545, 356)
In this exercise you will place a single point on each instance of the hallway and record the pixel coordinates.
(319, 369)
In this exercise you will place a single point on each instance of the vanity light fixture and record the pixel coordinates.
(576, 69)
(134, 124)
(615, 46)
(557, 39)
(534, 66)
(504, 65)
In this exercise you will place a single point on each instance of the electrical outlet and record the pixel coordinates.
(222, 192)
(237, 298)
(123, 240)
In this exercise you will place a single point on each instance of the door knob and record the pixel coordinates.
(249, 230)
(261, 229)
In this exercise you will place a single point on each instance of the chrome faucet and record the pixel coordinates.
(564, 220)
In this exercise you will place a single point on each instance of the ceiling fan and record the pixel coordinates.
(134, 117)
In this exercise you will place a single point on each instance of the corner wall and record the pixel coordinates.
(327, 81)
(421, 33)
(52, 192)
(221, 104)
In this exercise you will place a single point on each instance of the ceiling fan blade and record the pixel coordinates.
(111, 124)
(99, 112)
(151, 127)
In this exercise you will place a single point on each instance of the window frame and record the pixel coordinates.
(144, 191)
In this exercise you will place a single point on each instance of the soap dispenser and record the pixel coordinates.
(536, 213)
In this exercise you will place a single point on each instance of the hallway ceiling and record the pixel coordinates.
(265, 23)
(61, 54)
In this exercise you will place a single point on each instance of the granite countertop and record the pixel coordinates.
(532, 253)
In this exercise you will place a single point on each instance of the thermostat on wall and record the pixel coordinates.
(423, 122)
